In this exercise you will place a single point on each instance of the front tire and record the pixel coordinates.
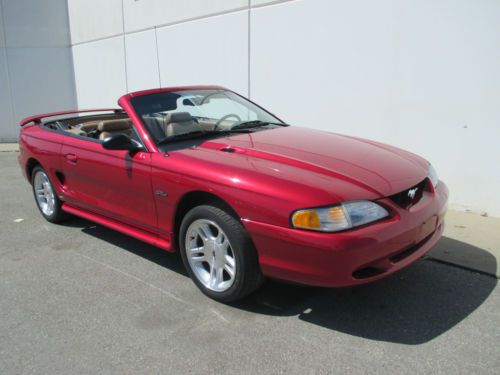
(218, 254)
(45, 196)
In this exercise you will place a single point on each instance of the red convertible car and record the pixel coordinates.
(239, 193)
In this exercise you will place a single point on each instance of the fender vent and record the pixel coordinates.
(60, 177)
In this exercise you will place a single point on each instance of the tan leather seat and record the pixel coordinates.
(76, 131)
(83, 129)
(89, 126)
(110, 127)
(179, 123)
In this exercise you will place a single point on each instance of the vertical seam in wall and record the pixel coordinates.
(124, 48)
(7, 67)
(249, 47)
(157, 56)
(72, 62)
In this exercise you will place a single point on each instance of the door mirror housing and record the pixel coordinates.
(120, 141)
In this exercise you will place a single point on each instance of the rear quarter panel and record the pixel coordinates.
(43, 146)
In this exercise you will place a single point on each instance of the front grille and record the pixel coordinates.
(411, 196)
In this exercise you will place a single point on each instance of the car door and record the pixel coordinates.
(113, 183)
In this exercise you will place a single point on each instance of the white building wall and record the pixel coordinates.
(36, 69)
(8, 131)
(143, 70)
(2, 32)
(94, 19)
(422, 75)
(140, 15)
(206, 51)
(100, 72)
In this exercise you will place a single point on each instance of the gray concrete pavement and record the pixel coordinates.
(472, 241)
(79, 298)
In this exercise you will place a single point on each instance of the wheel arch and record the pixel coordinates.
(198, 198)
(30, 165)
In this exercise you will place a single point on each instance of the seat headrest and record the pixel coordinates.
(114, 125)
(178, 117)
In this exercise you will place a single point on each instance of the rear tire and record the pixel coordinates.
(218, 254)
(46, 197)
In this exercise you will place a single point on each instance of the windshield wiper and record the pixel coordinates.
(250, 124)
(178, 137)
(200, 133)
(255, 124)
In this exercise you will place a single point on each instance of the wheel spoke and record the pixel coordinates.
(204, 232)
(219, 275)
(229, 269)
(50, 203)
(213, 274)
(199, 259)
(196, 250)
(220, 238)
(229, 260)
(224, 245)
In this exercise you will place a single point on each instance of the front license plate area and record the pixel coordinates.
(427, 228)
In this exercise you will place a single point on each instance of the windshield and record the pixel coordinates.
(170, 116)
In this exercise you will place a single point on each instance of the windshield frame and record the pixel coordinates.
(133, 101)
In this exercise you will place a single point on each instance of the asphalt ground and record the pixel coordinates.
(79, 298)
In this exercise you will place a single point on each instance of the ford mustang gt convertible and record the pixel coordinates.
(240, 194)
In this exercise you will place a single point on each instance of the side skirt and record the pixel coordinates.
(141, 235)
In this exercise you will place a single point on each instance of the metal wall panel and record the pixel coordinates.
(100, 72)
(212, 50)
(141, 14)
(142, 61)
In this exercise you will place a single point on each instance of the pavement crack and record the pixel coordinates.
(165, 292)
(465, 268)
(152, 286)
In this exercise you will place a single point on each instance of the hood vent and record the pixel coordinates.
(228, 149)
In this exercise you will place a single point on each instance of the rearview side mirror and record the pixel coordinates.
(121, 142)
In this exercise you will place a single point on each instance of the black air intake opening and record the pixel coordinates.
(367, 272)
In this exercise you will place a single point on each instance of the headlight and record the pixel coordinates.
(433, 176)
(343, 216)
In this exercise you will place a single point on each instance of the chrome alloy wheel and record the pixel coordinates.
(210, 255)
(45, 197)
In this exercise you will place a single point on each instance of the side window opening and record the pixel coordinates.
(95, 128)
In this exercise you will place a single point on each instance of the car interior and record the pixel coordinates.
(160, 125)
(170, 124)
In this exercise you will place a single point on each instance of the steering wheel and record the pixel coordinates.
(93, 134)
(225, 118)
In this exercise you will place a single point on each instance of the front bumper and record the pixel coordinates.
(356, 256)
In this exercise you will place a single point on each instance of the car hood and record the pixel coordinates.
(318, 158)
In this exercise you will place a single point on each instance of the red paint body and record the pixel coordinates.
(269, 175)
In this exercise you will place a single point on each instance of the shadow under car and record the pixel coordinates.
(410, 307)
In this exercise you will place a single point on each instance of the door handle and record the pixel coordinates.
(71, 158)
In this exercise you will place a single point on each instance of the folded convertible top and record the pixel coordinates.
(38, 118)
